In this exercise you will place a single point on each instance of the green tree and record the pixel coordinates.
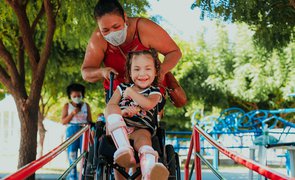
(232, 72)
(272, 20)
(20, 47)
(28, 31)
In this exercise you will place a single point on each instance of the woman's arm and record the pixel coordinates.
(154, 36)
(91, 68)
(144, 102)
(66, 118)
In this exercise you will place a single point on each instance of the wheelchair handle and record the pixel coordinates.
(110, 92)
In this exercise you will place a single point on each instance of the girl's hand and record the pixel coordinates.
(127, 93)
(75, 111)
(130, 111)
(106, 72)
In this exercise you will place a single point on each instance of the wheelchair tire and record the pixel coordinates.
(87, 166)
(103, 172)
(171, 162)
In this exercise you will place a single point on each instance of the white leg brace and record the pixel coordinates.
(148, 158)
(150, 168)
(117, 128)
(124, 155)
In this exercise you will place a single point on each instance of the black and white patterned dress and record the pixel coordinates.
(145, 118)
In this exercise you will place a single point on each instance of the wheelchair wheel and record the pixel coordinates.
(171, 162)
(104, 172)
(88, 165)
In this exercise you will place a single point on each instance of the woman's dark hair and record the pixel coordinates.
(152, 52)
(75, 87)
(108, 7)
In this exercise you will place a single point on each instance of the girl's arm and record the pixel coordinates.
(66, 118)
(146, 103)
(112, 106)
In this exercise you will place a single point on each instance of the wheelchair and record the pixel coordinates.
(101, 161)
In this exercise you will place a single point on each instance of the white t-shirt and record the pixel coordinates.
(81, 116)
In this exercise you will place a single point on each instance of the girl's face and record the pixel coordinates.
(76, 97)
(110, 23)
(143, 70)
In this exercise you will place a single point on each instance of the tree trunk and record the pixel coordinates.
(42, 131)
(28, 115)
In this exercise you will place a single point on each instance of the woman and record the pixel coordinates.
(118, 34)
(75, 115)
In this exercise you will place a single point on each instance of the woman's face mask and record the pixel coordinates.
(117, 38)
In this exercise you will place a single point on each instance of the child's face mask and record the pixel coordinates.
(117, 38)
(77, 100)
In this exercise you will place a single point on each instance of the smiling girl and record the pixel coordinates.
(130, 114)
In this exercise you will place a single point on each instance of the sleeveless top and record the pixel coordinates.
(145, 118)
(81, 116)
(115, 59)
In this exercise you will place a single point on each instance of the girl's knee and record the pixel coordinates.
(141, 137)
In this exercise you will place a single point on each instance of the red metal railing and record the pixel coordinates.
(32, 167)
(250, 164)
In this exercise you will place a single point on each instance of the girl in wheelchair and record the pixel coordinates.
(130, 114)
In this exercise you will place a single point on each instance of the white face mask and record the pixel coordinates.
(77, 100)
(117, 38)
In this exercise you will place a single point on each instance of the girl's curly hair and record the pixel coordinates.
(75, 87)
(152, 52)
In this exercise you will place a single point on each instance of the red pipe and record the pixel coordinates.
(84, 148)
(186, 166)
(32, 167)
(197, 159)
(263, 170)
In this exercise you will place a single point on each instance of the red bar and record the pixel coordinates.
(84, 148)
(32, 167)
(197, 159)
(250, 164)
(190, 150)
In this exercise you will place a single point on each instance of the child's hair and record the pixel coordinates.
(75, 87)
(152, 52)
(108, 7)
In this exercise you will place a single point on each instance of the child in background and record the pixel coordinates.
(101, 117)
(75, 114)
(130, 114)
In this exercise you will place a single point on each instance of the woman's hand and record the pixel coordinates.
(106, 72)
(130, 111)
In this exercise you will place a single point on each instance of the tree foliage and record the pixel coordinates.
(229, 73)
(272, 20)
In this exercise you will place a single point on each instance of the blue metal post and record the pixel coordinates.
(215, 158)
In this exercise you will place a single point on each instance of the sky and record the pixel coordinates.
(180, 19)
